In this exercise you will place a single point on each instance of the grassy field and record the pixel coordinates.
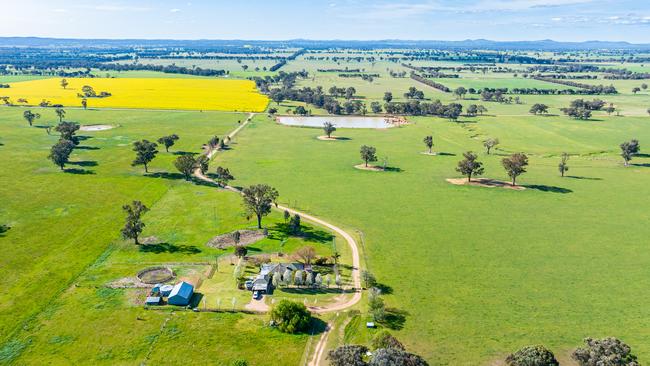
(145, 93)
(473, 273)
(483, 271)
(63, 248)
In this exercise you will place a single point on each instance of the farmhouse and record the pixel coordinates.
(262, 282)
(181, 294)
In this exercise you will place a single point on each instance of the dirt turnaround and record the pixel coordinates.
(484, 182)
(372, 168)
(91, 128)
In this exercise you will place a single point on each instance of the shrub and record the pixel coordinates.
(532, 356)
(348, 355)
(607, 351)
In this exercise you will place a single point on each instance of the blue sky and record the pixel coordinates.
(563, 20)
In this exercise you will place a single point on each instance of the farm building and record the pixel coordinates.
(279, 268)
(181, 294)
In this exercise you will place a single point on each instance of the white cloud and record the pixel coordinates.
(175, 10)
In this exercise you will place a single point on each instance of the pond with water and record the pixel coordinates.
(338, 121)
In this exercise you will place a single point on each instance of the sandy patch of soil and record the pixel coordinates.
(433, 153)
(247, 237)
(372, 168)
(484, 182)
(325, 138)
(91, 128)
(149, 240)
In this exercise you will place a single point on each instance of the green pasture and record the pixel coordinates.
(478, 272)
(63, 244)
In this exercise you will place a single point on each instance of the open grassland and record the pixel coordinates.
(145, 93)
(483, 271)
(63, 246)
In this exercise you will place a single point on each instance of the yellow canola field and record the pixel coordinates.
(145, 93)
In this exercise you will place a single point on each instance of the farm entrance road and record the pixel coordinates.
(354, 248)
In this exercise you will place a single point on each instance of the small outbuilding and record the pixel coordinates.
(152, 300)
(181, 294)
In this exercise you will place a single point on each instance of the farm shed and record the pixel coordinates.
(181, 294)
(152, 300)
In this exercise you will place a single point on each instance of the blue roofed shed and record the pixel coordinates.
(181, 294)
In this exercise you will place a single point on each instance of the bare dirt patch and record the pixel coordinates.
(325, 138)
(91, 128)
(373, 168)
(149, 240)
(484, 182)
(155, 275)
(128, 282)
(246, 237)
(433, 153)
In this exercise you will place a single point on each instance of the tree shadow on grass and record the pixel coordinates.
(165, 175)
(641, 165)
(84, 147)
(545, 188)
(78, 171)
(308, 233)
(384, 288)
(169, 248)
(3, 230)
(83, 163)
(642, 155)
(582, 178)
(201, 182)
(445, 154)
(184, 153)
(318, 326)
(394, 318)
(393, 169)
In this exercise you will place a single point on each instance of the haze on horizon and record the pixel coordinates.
(500, 20)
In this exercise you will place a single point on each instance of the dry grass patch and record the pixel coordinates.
(484, 182)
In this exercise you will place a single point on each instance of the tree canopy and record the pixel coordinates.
(145, 152)
(469, 166)
(133, 226)
(168, 141)
(186, 165)
(607, 351)
(258, 199)
(537, 355)
(368, 154)
(291, 317)
(515, 165)
(629, 149)
(60, 152)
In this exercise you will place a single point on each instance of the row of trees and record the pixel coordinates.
(582, 109)
(514, 165)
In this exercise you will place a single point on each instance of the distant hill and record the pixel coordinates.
(542, 45)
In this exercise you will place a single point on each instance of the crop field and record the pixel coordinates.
(145, 93)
